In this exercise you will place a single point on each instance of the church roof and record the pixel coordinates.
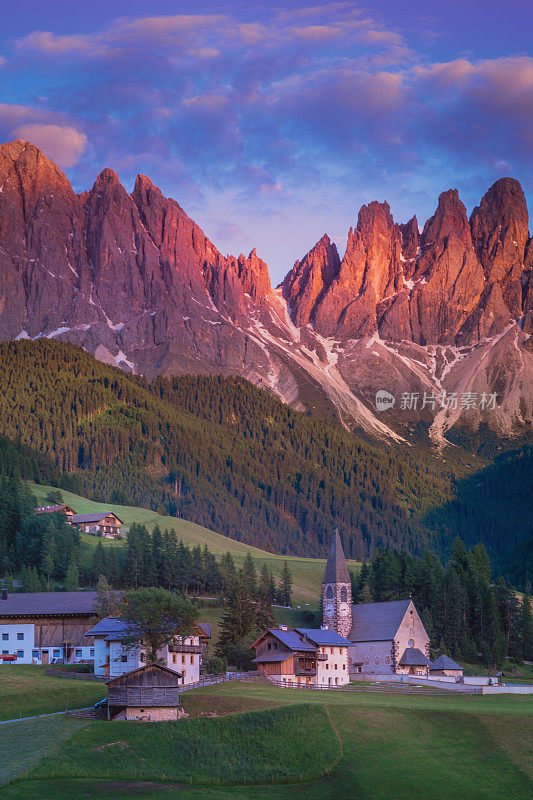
(444, 662)
(336, 567)
(413, 657)
(375, 622)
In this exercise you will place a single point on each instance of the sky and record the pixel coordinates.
(271, 124)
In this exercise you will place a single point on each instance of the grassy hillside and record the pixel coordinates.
(307, 573)
(315, 745)
(26, 690)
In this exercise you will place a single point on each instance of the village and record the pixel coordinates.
(383, 642)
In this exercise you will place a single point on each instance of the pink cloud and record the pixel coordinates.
(64, 145)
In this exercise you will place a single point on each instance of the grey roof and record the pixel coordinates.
(444, 662)
(271, 657)
(336, 567)
(108, 626)
(206, 627)
(292, 640)
(322, 637)
(413, 657)
(92, 517)
(375, 622)
(30, 604)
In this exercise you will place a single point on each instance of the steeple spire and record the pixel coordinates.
(336, 567)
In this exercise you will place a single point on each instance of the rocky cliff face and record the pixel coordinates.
(134, 280)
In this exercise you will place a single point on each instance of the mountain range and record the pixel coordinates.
(437, 318)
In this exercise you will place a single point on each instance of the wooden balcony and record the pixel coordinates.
(305, 671)
(321, 656)
(186, 648)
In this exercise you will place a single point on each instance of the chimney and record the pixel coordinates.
(283, 628)
(4, 594)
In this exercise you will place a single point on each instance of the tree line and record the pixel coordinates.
(466, 614)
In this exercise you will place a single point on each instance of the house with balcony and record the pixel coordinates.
(115, 654)
(304, 656)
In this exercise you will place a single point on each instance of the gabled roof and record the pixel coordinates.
(375, 622)
(324, 637)
(29, 604)
(146, 667)
(444, 662)
(336, 567)
(413, 657)
(290, 639)
(98, 517)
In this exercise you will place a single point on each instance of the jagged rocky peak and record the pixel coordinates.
(309, 278)
(410, 245)
(500, 229)
(449, 218)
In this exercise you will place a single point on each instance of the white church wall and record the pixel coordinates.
(376, 657)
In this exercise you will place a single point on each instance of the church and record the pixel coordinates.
(386, 638)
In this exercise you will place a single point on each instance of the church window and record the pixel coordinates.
(377, 659)
(367, 661)
(329, 593)
(387, 660)
(344, 595)
(411, 643)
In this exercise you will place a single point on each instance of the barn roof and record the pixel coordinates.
(413, 657)
(444, 662)
(336, 567)
(29, 604)
(97, 517)
(206, 628)
(324, 637)
(291, 639)
(152, 667)
(375, 622)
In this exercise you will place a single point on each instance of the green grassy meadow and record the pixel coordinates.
(25, 690)
(285, 744)
(307, 573)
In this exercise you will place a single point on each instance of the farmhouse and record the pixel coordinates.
(46, 627)
(147, 694)
(58, 509)
(303, 656)
(114, 657)
(384, 637)
(103, 523)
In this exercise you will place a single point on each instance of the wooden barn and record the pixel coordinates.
(148, 694)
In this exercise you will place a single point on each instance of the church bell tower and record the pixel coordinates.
(337, 590)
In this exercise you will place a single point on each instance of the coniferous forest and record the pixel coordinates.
(222, 453)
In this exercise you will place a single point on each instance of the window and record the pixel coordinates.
(183, 659)
(57, 654)
(269, 646)
(411, 643)
(20, 653)
(20, 637)
(91, 652)
(344, 666)
(5, 637)
(377, 659)
(78, 654)
(35, 654)
(174, 658)
(367, 661)
(387, 660)
(192, 659)
(143, 657)
(5, 652)
(344, 595)
(329, 593)
(124, 658)
(336, 666)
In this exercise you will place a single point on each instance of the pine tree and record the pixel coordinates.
(72, 578)
(286, 585)
(238, 622)
(250, 574)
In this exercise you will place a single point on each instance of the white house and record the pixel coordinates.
(112, 657)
